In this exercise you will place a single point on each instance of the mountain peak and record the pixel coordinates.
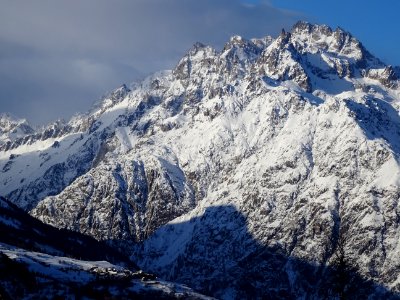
(235, 41)
(12, 127)
(197, 47)
(309, 28)
(111, 98)
(242, 50)
(119, 92)
(8, 117)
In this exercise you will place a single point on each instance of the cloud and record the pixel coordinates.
(57, 57)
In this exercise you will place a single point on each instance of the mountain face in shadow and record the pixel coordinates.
(216, 254)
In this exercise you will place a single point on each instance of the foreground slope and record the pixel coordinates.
(21, 230)
(39, 261)
(300, 134)
(34, 275)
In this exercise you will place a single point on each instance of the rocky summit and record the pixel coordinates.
(268, 169)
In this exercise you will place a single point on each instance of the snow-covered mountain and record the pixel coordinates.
(239, 170)
(12, 128)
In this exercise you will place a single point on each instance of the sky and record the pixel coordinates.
(59, 57)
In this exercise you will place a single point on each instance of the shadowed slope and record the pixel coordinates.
(215, 254)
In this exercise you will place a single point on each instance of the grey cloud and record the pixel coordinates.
(57, 57)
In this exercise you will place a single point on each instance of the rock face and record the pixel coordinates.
(273, 154)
